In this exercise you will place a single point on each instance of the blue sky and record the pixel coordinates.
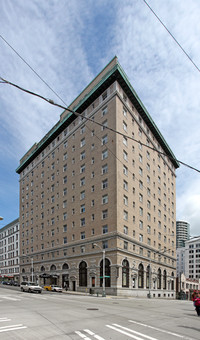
(68, 43)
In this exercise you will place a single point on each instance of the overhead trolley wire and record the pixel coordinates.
(32, 69)
(50, 101)
(176, 41)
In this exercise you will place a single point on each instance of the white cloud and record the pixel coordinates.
(68, 43)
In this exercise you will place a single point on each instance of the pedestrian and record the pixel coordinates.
(194, 295)
(197, 304)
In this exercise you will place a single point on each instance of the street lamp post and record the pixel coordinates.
(103, 257)
(150, 279)
(32, 269)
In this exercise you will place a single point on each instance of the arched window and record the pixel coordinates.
(148, 277)
(125, 273)
(164, 279)
(107, 273)
(53, 267)
(65, 266)
(83, 274)
(23, 270)
(42, 269)
(140, 276)
(159, 278)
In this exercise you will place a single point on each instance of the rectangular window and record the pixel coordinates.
(104, 184)
(105, 244)
(82, 181)
(125, 170)
(82, 235)
(124, 126)
(140, 171)
(104, 95)
(104, 140)
(125, 155)
(104, 125)
(104, 214)
(125, 230)
(82, 195)
(82, 222)
(125, 185)
(104, 169)
(104, 199)
(125, 215)
(82, 142)
(140, 224)
(104, 154)
(104, 111)
(82, 169)
(82, 210)
(125, 141)
(125, 200)
(105, 229)
(82, 155)
(125, 245)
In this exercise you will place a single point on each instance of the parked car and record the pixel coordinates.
(14, 283)
(30, 287)
(53, 288)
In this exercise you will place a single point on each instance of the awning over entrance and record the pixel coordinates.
(44, 276)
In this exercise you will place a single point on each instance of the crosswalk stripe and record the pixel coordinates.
(95, 335)
(82, 335)
(132, 331)
(10, 298)
(4, 319)
(161, 330)
(11, 329)
(125, 333)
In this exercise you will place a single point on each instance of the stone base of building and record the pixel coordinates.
(141, 293)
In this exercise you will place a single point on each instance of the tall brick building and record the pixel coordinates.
(85, 188)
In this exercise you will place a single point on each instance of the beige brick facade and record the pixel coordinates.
(85, 184)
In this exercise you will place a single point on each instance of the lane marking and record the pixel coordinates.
(98, 337)
(126, 333)
(132, 331)
(12, 329)
(162, 330)
(10, 298)
(82, 335)
(4, 319)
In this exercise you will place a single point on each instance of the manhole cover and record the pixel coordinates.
(92, 308)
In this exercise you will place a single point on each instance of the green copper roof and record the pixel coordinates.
(115, 73)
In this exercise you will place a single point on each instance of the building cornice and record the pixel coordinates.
(116, 73)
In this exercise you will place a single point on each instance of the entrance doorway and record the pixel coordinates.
(74, 286)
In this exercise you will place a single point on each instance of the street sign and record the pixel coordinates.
(101, 277)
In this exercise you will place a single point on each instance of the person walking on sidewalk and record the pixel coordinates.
(197, 304)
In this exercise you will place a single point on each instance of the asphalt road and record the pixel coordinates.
(70, 316)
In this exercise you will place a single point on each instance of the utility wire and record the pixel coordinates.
(65, 108)
(176, 41)
(50, 101)
(94, 122)
(32, 69)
